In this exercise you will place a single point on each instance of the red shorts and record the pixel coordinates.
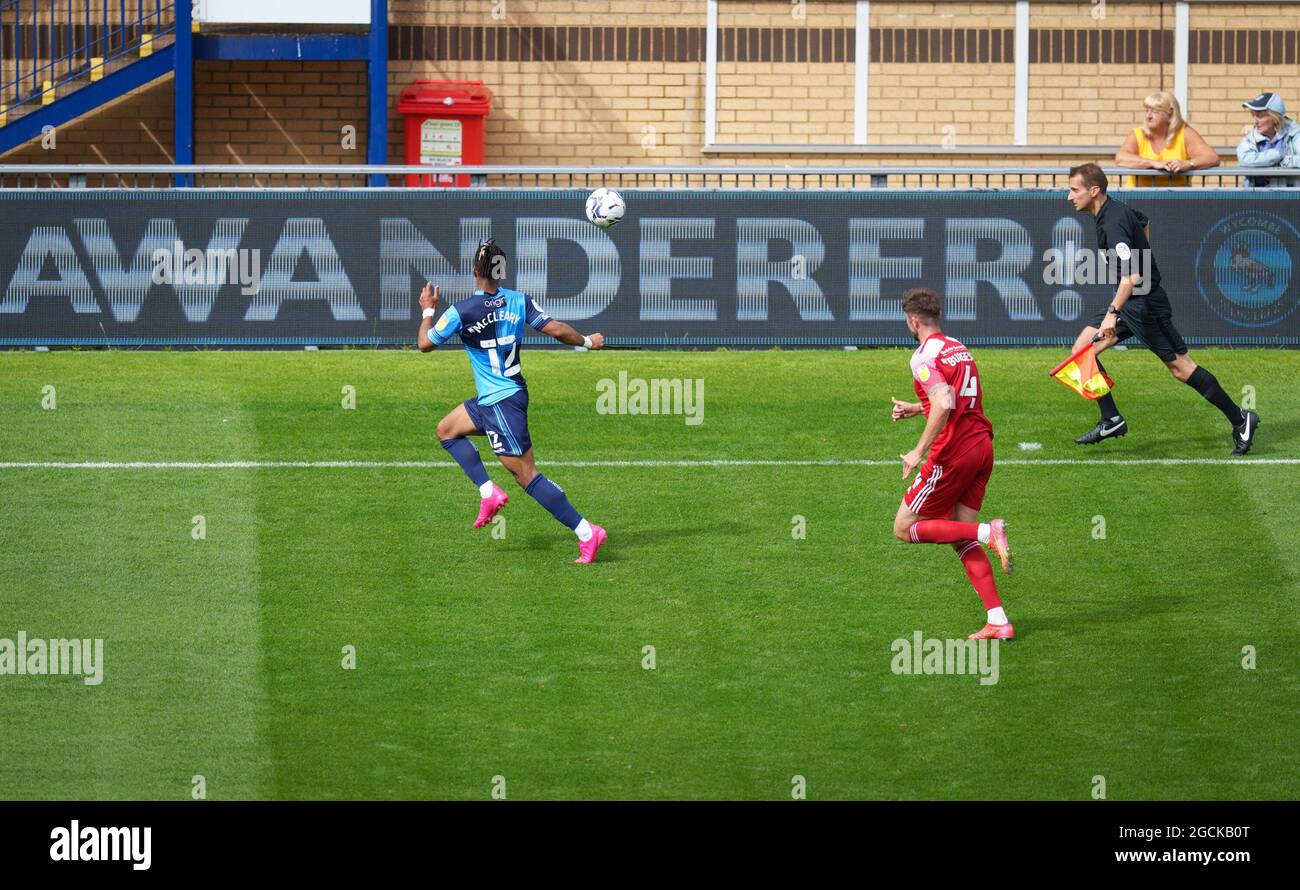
(938, 488)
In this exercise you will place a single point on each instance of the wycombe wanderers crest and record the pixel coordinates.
(1245, 268)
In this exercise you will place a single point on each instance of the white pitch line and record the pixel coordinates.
(435, 465)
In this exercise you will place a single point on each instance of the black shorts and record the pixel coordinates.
(1151, 320)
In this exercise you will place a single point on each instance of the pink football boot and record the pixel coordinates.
(998, 544)
(490, 506)
(995, 632)
(587, 549)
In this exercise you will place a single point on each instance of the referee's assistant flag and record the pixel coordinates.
(1081, 374)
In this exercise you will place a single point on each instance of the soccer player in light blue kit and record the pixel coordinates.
(490, 323)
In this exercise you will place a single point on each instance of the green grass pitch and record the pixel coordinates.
(480, 656)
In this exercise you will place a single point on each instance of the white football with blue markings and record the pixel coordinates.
(605, 208)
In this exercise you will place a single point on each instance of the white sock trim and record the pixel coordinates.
(485, 490)
(997, 616)
(583, 531)
(984, 532)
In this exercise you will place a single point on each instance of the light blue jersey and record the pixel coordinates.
(491, 325)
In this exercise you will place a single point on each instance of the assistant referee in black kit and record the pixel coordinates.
(1122, 236)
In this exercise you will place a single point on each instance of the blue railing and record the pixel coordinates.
(54, 41)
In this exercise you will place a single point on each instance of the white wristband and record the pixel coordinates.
(429, 313)
(586, 342)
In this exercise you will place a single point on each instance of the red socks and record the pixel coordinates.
(943, 531)
(964, 538)
(979, 570)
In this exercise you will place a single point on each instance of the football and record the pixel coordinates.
(605, 207)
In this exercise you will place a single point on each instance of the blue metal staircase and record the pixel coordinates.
(61, 59)
(56, 64)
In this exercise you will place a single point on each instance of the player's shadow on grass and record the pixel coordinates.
(630, 539)
(1134, 607)
(652, 535)
(557, 545)
(1281, 438)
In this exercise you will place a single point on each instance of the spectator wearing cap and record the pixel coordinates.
(1273, 141)
(1164, 142)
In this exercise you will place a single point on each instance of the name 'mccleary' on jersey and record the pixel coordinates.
(491, 326)
(942, 358)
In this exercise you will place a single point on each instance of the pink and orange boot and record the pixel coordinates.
(998, 543)
(995, 632)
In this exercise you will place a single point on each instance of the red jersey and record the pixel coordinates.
(941, 358)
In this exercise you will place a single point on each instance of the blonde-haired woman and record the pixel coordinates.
(1164, 142)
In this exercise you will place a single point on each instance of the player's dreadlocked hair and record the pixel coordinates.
(485, 257)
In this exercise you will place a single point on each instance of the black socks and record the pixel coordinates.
(1208, 386)
(1107, 402)
(1202, 381)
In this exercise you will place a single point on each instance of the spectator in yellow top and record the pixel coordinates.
(1164, 142)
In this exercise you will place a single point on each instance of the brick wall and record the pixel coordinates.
(1074, 55)
(605, 82)
(137, 129)
(280, 112)
(247, 112)
(941, 74)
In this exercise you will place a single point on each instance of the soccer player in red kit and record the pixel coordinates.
(942, 504)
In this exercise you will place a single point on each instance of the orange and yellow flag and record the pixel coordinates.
(1081, 374)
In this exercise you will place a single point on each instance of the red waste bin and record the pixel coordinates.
(444, 126)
